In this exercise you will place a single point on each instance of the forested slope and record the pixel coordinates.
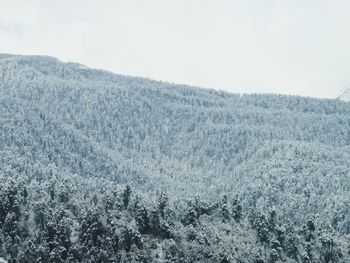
(92, 132)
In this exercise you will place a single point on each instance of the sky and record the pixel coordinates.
(299, 47)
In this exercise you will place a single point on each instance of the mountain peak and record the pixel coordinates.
(345, 96)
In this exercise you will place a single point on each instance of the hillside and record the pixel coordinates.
(95, 130)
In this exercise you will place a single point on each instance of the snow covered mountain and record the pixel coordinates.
(242, 173)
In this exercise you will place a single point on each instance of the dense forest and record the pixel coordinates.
(99, 167)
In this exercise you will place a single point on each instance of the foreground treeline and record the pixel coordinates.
(91, 220)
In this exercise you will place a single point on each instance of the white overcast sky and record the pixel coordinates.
(263, 46)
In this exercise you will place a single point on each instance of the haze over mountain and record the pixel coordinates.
(345, 96)
(89, 132)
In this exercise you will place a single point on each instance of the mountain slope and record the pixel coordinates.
(96, 123)
(97, 130)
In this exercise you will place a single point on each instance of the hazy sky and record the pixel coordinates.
(275, 46)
